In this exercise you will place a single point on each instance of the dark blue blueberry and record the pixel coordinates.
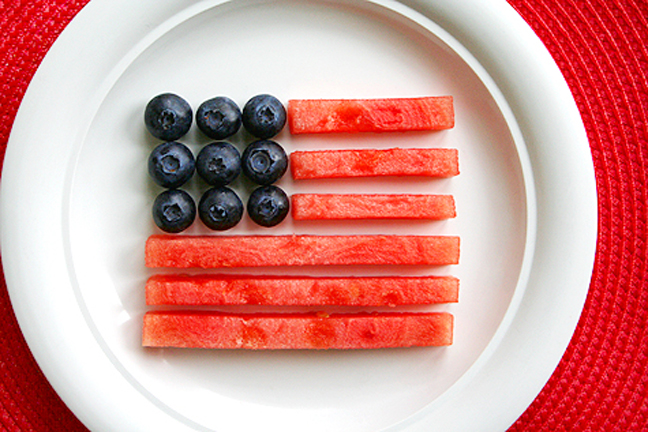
(171, 164)
(174, 210)
(264, 162)
(264, 116)
(268, 205)
(219, 117)
(218, 163)
(168, 117)
(220, 208)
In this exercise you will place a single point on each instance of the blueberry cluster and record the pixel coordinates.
(171, 164)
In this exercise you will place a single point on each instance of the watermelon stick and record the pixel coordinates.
(198, 329)
(370, 115)
(299, 250)
(423, 162)
(214, 289)
(374, 206)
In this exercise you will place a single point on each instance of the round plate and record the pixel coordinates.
(76, 205)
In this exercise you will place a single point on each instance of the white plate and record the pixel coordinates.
(76, 210)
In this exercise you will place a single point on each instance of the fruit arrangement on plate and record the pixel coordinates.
(263, 162)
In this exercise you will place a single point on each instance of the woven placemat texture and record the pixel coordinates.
(27, 30)
(602, 49)
(601, 383)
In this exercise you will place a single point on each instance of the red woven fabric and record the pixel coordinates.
(601, 46)
(27, 30)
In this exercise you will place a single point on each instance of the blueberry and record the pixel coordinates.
(220, 208)
(168, 116)
(264, 116)
(268, 205)
(171, 164)
(264, 162)
(174, 210)
(218, 163)
(219, 117)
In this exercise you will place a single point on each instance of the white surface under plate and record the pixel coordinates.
(76, 204)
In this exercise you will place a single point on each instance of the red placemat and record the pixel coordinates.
(601, 46)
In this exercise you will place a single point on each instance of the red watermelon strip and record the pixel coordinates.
(299, 250)
(295, 331)
(395, 206)
(370, 115)
(424, 162)
(196, 290)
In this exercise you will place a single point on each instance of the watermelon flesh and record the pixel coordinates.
(358, 206)
(201, 329)
(370, 115)
(299, 250)
(213, 289)
(424, 162)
